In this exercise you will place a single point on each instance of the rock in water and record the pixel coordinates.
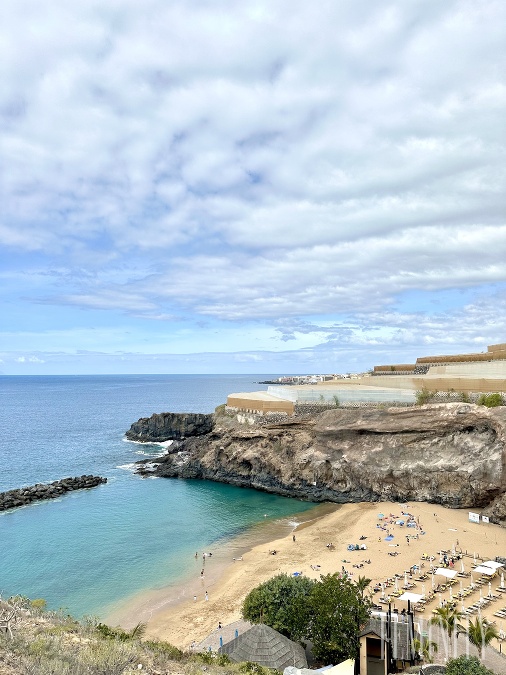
(40, 491)
(170, 427)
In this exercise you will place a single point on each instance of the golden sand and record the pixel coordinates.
(190, 620)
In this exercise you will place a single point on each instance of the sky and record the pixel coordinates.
(264, 186)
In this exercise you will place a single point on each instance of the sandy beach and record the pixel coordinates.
(191, 620)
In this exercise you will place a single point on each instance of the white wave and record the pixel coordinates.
(127, 467)
(160, 444)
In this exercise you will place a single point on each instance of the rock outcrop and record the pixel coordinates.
(169, 427)
(453, 454)
(23, 496)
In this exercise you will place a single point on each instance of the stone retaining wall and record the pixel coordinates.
(309, 410)
(23, 496)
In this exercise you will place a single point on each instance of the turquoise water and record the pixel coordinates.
(88, 550)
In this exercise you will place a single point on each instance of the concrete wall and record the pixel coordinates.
(260, 405)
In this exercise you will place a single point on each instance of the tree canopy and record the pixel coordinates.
(329, 612)
(280, 603)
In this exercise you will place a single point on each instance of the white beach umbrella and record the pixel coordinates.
(474, 558)
(405, 578)
(463, 609)
(489, 589)
(472, 580)
(462, 568)
(396, 584)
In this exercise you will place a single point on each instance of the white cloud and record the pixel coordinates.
(251, 161)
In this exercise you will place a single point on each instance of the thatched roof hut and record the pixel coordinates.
(265, 646)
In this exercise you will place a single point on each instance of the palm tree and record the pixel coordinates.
(425, 648)
(480, 633)
(362, 583)
(447, 618)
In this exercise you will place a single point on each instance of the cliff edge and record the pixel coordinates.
(451, 454)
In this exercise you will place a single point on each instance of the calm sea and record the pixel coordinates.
(92, 548)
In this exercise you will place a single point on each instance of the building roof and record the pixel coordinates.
(265, 646)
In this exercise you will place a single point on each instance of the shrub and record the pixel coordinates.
(423, 396)
(466, 665)
(164, 649)
(490, 400)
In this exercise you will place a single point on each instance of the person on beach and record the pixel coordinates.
(201, 572)
(219, 625)
(194, 598)
(293, 538)
(207, 597)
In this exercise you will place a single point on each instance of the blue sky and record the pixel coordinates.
(259, 187)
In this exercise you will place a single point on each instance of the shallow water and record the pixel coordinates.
(90, 549)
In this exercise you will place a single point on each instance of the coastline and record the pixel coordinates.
(147, 605)
(181, 620)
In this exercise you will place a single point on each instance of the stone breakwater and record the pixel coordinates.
(23, 496)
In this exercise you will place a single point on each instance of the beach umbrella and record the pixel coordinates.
(440, 600)
(405, 578)
(472, 580)
(396, 584)
(463, 608)
(380, 516)
(489, 589)
(462, 569)
(502, 579)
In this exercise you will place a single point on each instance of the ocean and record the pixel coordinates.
(89, 550)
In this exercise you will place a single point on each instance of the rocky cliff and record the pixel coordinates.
(453, 454)
(169, 426)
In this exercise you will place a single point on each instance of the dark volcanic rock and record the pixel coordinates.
(170, 426)
(24, 496)
(453, 454)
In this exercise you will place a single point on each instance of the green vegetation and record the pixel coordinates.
(336, 400)
(122, 635)
(447, 618)
(480, 633)
(466, 665)
(280, 603)
(490, 400)
(54, 643)
(423, 396)
(329, 612)
(425, 648)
